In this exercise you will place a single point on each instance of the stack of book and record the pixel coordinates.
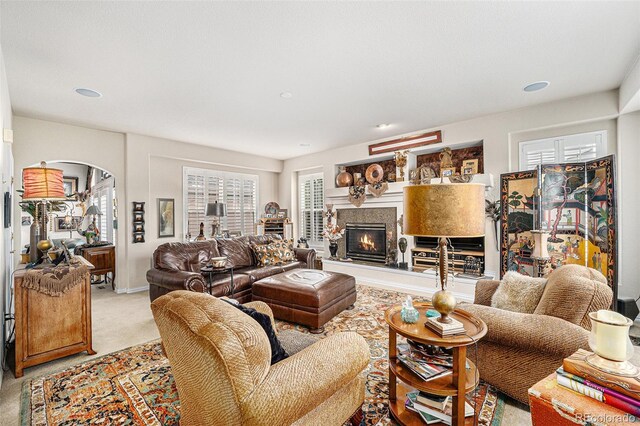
(422, 365)
(433, 408)
(619, 392)
(445, 329)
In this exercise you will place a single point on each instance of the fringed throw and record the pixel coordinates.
(55, 280)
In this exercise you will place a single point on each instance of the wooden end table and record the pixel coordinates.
(457, 384)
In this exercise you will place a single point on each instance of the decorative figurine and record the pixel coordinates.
(302, 243)
(401, 162)
(409, 314)
(402, 245)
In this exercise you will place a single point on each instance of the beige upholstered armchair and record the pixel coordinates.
(520, 349)
(220, 358)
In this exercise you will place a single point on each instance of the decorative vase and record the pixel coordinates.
(609, 339)
(344, 178)
(35, 235)
(333, 249)
(409, 315)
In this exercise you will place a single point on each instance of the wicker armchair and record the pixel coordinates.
(521, 349)
(220, 359)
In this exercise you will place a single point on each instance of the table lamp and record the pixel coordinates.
(41, 185)
(92, 232)
(218, 210)
(444, 211)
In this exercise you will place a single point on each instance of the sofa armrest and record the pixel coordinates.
(306, 255)
(532, 332)
(176, 280)
(263, 308)
(296, 385)
(484, 291)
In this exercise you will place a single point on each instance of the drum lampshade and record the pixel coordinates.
(42, 183)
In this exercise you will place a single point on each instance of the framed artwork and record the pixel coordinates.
(448, 171)
(470, 167)
(138, 238)
(62, 225)
(577, 208)
(25, 220)
(70, 184)
(282, 213)
(166, 217)
(406, 142)
(138, 217)
(138, 227)
(138, 206)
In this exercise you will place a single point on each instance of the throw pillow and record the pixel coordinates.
(277, 351)
(518, 293)
(274, 253)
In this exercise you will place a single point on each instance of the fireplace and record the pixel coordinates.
(366, 241)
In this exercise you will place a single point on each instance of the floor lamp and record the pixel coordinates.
(444, 211)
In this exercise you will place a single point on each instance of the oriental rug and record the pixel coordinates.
(134, 386)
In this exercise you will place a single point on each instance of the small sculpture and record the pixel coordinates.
(402, 245)
(401, 162)
(409, 314)
(302, 243)
(446, 159)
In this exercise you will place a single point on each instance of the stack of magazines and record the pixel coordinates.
(622, 393)
(433, 408)
(428, 367)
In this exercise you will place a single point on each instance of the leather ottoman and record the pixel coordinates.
(307, 296)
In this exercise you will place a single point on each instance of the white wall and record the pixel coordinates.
(145, 168)
(629, 204)
(500, 133)
(5, 163)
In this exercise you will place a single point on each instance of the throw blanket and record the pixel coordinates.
(55, 280)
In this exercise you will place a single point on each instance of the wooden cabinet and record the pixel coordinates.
(103, 259)
(282, 227)
(49, 328)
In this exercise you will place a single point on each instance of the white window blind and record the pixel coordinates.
(103, 196)
(311, 200)
(238, 191)
(565, 149)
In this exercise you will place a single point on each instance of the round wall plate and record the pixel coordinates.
(272, 208)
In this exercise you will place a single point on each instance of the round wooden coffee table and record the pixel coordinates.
(456, 384)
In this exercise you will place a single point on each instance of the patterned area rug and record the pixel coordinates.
(135, 386)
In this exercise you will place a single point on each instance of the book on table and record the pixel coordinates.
(445, 329)
(577, 365)
(598, 392)
(443, 416)
(435, 401)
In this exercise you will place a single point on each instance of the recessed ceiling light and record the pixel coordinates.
(534, 87)
(305, 145)
(286, 95)
(383, 125)
(90, 93)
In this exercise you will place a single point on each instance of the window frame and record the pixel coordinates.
(225, 176)
(302, 178)
(560, 145)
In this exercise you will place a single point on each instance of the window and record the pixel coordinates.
(238, 191)
(311, 200)
(564, 149)
(103, 196)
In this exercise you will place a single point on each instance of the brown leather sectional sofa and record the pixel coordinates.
(176, 266)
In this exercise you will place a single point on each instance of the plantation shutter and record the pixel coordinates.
(311, 192)
(565, 149)
(238, 191)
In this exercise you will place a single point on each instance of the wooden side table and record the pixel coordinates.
(457, 384)
(48, 327)
(103, 258)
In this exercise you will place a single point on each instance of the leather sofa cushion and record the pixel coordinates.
(183, 256)
(287, 289)
(293, 265)
(222, 284)
(259, 272)
(237, 250)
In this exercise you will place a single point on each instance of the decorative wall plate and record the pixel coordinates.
(374, 173)
(272, 208)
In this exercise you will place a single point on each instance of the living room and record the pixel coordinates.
(319, 116)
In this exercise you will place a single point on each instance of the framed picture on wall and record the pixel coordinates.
(166, 217)
(70, 184)
(62, 225)
(470, 167)
(138, 217)
(448, 171)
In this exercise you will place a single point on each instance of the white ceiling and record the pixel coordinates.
(212, 73)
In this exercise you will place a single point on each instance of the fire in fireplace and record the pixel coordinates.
(366, 241)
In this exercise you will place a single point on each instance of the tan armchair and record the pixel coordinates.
(521, 349)
(220, 359)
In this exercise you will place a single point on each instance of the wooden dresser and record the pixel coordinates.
(49, 328)
(103, 259)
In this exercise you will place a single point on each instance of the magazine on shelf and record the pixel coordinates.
(425, 371)
(443, 415)
(410, 350)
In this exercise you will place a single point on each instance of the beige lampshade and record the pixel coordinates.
(444, 210)
(42, 183)
(540, 245)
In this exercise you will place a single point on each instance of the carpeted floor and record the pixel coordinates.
(135, 386)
